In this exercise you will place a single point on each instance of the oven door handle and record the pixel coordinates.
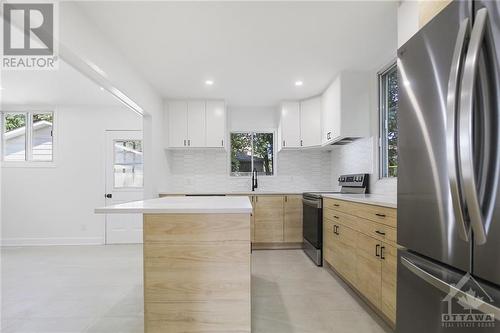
(312, 203)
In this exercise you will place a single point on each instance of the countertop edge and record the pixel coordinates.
(105, 210)
(367, 201)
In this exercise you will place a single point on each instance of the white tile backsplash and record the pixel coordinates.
(297, 170)
(359, 157)
(208, 171)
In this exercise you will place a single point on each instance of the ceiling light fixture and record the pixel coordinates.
(209, 82)
(299, 83)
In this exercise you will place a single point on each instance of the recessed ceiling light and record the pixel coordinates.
(101, 88)
(209, 82)
(299, 83)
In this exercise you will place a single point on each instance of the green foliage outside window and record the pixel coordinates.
(389, 122)
(252, 150)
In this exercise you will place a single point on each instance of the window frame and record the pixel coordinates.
(29, 162)
(275, 164)
(383, 121)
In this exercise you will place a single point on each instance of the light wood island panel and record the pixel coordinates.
(197, 273)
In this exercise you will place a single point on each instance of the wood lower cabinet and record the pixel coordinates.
(269, 215)
(389, 257)
(369, 268)
(293, 219)
(359, 242)
(276, 220)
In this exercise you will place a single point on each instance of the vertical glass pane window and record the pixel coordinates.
(14, 136)
(241, 154)
(263, 153)
(41, 138)
(128, 163)
(388, 81)
(252, 151)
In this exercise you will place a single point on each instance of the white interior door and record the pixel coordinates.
(124, 182)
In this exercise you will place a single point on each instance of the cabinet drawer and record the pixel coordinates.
(379, 214)
(374, 213)
(340, 218)
(377, 230)
(340, 205)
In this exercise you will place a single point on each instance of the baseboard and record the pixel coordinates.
(51, 241)
(276, 246)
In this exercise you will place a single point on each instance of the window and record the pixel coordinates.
(128, 166)
(252, 150)
(388, 83)
(27, 136)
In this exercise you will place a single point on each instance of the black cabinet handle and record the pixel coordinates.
(301, 143)
(380, 232)
(108, 195)
(376, 250)
(335, 216)
(380, 215)
(336, 205)
(382, 252)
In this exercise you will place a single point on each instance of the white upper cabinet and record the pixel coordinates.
(345, 107)
(310, 122)
(177, 123)
(195, 124)
(216, 124)
(330, 112)
(290, 124)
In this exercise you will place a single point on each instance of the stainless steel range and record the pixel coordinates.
(312, 225)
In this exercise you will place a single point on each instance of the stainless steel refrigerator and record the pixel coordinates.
(448, 177)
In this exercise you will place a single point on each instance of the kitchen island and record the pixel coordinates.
(196, 263)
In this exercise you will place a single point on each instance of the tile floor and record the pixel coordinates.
(99, 289)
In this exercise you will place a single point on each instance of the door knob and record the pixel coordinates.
(109, 195)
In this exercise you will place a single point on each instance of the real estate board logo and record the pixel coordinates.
(29, 36)
(465, 306)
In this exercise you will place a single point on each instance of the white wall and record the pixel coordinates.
(253, 118)
(408, 16)
(55, 205)
(208, 170)
(89, 49)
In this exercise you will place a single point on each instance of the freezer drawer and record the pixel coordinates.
(431, 299)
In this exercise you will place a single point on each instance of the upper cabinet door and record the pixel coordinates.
(330, 112)
(290, 124)
(196, 124)
(177, 124)
(310, 122)
(216, 123)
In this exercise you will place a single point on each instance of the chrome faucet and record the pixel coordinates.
(254, 179)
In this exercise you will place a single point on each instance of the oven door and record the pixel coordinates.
(312, 226)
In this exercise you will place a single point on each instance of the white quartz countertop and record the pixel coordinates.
(183, 205)
(236, 193)
(390, 201)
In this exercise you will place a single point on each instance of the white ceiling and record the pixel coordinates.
(65, 86)
(254, 51)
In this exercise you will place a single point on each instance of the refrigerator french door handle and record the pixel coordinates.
(447, 288)
(466, 127)
(451, 128)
